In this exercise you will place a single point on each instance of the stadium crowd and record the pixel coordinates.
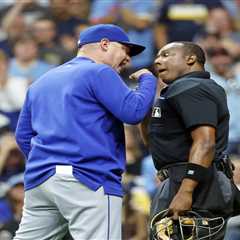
(37, 35)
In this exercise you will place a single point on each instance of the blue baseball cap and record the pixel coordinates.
(110, 31)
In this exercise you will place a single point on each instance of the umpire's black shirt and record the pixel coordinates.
(188, 102)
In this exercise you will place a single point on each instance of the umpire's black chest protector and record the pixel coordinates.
(182, 106)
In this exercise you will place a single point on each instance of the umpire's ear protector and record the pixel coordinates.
(191, 59)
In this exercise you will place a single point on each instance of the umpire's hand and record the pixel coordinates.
(181, 203)
(137, 74)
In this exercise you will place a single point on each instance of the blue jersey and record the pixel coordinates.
(73, 115)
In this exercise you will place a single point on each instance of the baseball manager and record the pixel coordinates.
(71, 132)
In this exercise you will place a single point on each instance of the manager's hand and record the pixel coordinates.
(137, 74)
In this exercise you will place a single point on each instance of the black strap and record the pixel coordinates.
(198, 173)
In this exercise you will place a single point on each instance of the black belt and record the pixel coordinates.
(163, 173)
(222, 164)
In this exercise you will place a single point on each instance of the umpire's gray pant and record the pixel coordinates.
(61, 203)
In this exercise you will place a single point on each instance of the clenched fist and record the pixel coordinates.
(137, 74)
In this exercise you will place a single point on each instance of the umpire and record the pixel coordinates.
(71, 132)
(188, 135)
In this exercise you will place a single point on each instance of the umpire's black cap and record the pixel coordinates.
(110, 31)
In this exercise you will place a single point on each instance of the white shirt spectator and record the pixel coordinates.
(12, 95)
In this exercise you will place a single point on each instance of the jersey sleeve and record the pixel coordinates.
(129, 106)
(24, 131)
(196, 106)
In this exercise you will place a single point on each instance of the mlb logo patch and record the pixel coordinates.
(156, 112)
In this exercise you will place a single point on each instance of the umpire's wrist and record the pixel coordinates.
(188, 185)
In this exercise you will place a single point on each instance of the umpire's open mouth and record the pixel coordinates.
(162, 71)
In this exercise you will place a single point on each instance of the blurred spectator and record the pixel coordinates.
(11, 33)
(69, 42)
(137, 18)
(181, 20)
(103, 11)
(30, 10)
(5, 209)
(136, 200)
(149, 176)
(221, 68)
(7, 3)
(233, 229)
(67, 14)
(79, 9)
(4, 4)
(133, 153)
(220, 22)
(4, 124)
(79, 28)
(135, 211)
(236, 69)
(44, 32)
(11, 158)
(26, 62)
(236, 172)
(11, 163)
(58, 9)
(12, 93)
(233, 9)
(15, 197)
(208, 40)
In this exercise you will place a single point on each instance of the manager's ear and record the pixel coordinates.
(104, 44)
(191, 59)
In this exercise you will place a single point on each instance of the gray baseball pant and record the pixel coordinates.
(62, 202)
